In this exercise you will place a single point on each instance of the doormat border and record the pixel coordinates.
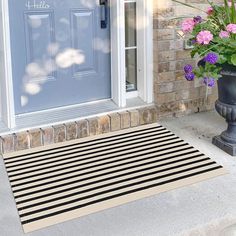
(110, 203)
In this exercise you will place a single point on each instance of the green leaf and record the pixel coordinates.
(188, 5)
(226, 3)
(233, 12)
(182, 17)
(227, 9)
(233, 59)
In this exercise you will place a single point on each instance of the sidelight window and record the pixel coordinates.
(130, 45)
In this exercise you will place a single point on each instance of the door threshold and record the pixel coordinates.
(73, 113)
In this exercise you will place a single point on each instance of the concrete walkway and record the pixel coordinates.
(201, 209)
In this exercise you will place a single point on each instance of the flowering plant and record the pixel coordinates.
(213, 39)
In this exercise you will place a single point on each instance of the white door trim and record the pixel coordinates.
(144, 51)
(118, 88)
(6, 84)
(148, 53)
(145, 55)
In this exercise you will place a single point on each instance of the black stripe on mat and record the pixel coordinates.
(72, 171)
(89, 141)
(103, 174)
(118, 195)
(78, 175)
(110, 184)
(77, 165)
(34, 159)
(74, 157)
(112, 190)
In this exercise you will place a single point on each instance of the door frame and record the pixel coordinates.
(6, 83)
(144, 51)
(118, 87)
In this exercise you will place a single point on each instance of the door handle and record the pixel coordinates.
(104, 13)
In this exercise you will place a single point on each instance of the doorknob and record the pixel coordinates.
(104, 13)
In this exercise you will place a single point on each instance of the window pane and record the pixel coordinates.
(130, 24)
(131, 69)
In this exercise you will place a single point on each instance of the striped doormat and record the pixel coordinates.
(60, 182)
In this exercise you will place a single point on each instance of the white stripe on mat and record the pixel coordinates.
(60, 182)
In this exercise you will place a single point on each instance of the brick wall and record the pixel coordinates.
(78, 129)
(174, 96)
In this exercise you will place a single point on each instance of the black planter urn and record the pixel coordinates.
(226, 107)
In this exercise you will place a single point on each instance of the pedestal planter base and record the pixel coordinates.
(227, 147)
(227, 140)
(226, 107)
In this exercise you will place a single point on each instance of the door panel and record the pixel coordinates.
(38, 35)
(60, 54)
(83, 23)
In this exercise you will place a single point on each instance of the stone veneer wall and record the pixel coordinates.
(75, 130)
(174, 96)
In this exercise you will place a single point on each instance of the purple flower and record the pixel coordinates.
(197, 19)
(211, 58)
(210, 82)
(188, 68)
(190, 76)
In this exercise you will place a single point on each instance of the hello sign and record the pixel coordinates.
(36, 4)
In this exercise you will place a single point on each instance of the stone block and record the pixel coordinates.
(179, 44)
(182, 85)
(104, 124)
(154, 114)
(93, 126)
(166, 56)
(166, 77)
(160, 46)
(148, 115)
(164, 98)
(71, 131)
(124, 119)
(165, 66)
(182, 95)
(166, 87)
(115, 121)
(22, 141)
(134, 118)
(82, 129)
(59, 133)
(8, 143)
(164, 34)
(182, 55)
(36, 138)
(48, 135)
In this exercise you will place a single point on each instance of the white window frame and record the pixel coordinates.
(118, 89)
(144, 10)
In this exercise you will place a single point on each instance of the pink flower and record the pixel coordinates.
(188, 25)
(204, 37)
(224, 34)
(210, 11)
(231, 28)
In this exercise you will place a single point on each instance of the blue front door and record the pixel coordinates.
(60, 53)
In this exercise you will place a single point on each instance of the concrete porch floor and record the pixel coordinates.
(203, 209)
